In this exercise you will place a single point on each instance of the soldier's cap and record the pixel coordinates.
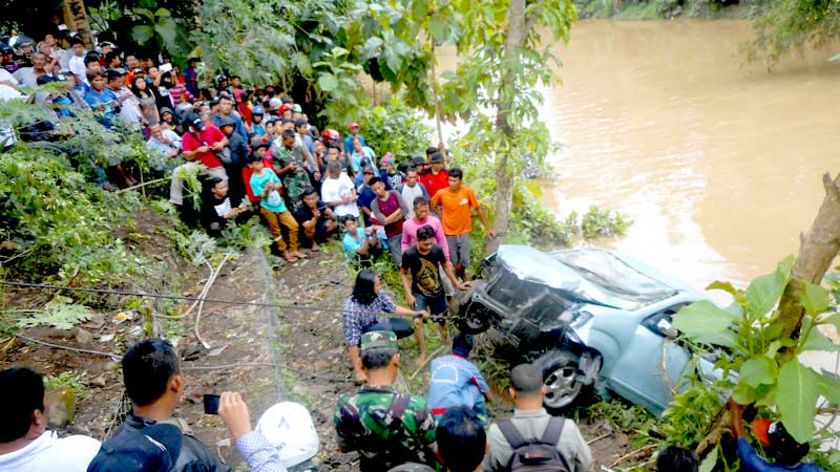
(379, 339)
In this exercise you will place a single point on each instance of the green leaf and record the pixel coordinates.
(702, 318)
(784, 268)
(814, 298)
(725, 286)
(778, 344)
(759, 371)
(763, 294)
(327, 82)
(59, 314)
(142, 33)
(709, 462)
(163, 12)
(817, 341)
(167, 29)
(797, 399)
(743, 393)
(371, 47)
(832, 320)
(830, 388)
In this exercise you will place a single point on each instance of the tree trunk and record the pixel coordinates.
(504, 176)
(818, 248)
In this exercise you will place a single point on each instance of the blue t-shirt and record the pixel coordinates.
(456, 381)
(273, 202)
(348, 142)
(752, 462)
(351, 244)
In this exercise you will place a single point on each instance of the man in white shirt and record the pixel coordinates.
(26, 445)
(41, 65)
(339, 193)
(411, 189)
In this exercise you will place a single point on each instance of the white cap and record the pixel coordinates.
(288, 426)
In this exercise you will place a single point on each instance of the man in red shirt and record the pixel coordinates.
(437, 178)
(199, 144)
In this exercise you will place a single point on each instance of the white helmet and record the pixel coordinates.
(288, 426)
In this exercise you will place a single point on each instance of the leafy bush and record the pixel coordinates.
(689, 415)
(597, 223)
(394, 127)
(59, 221)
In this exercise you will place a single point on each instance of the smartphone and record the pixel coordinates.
(165, 67)
(211, 404)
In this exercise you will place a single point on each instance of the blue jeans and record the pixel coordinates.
(400, 326)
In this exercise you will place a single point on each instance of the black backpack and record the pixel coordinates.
(539, 454)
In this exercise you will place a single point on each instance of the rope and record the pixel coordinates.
(126, 293)
(190, 367)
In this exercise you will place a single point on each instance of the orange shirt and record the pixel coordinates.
(457, 209)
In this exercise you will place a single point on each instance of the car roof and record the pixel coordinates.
(600, 276)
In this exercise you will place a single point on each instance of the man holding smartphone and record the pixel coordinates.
(154, 384)
(317, 222)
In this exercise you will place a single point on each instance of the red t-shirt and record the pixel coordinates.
(208, 136)
(387, 207)
(433, 182)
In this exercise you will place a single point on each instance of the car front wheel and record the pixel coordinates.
(562, 381)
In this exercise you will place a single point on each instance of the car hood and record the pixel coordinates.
(589, 275)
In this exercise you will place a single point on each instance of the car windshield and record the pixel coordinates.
(614, 278)
(591, 276)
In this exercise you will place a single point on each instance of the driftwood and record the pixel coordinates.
(818, 248)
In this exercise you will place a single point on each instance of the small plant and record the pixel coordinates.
(73, 380)
(622, 416)
(59, 313)
(688, 416)
(597, 223)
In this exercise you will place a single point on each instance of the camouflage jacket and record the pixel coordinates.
(388, 428)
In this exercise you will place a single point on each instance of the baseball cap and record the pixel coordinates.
(296, 108)
(354, 125)
(431, 150)
(221, 78)
(378, 339)
(150, 449)
(418, 161)
(195, 121)
(225, 121)
(388, 158)
(437, 157)
(368, 170)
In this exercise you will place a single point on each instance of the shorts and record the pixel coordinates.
(459, 249)
(436, 306)
(402, 327)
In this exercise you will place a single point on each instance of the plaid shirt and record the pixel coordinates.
(259, 454)
(357, 317)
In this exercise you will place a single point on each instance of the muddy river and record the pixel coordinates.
(717, 161)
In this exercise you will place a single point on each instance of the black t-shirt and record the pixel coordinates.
(425, 272)
(304, 213)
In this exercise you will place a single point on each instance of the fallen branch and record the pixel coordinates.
(633, 453)
(142, 185)
(591, 441)
(67, 348)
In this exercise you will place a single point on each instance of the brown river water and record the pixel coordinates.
(717, 161)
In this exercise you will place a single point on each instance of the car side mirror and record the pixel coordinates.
(664, 327)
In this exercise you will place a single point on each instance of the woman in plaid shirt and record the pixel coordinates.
(361, 314)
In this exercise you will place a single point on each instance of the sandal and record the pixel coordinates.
(291, 258)
(300, 255)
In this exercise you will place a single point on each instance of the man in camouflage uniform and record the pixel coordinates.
(388, 428)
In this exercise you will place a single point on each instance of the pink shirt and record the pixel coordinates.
(409, 233)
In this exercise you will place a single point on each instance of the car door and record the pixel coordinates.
(641, 375)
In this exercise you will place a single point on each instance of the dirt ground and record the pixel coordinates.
(269, 353)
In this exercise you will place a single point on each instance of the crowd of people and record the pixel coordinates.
(256, 153)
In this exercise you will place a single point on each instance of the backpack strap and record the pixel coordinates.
(512, 434)
(553, 430)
